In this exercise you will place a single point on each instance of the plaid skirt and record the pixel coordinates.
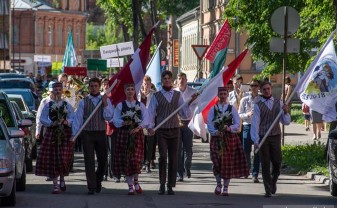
(128, 159)
(55, 157)
(231, 162)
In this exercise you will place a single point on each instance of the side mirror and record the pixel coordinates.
(25, 123)
(16, 133)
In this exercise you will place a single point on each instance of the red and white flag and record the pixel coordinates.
(220, 42)
(133, 72)
(209, 97)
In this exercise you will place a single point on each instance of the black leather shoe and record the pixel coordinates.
(273, 189)
(267, 195)
(188, 173)
(99, 188)
(170, 190)
(91, 191)
(161, 189)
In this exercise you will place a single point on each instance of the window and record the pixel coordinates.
(59, 35)
(3, 41)
(15, 35)
(50, 35)
(6, 114)
(40, 37)
(4, 7)
(78, 37)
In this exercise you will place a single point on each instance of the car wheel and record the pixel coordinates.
(21, 183)
(11, 199)
(332, 184)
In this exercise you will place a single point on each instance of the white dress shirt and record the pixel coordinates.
(254, 131)
(246, 106)
(118, 121)
(44, 118)
(184, 112)
(79, 113)
(43, 102)
(222, 108)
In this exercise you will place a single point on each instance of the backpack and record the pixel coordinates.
(305, 108)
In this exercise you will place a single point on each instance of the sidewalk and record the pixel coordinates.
(295, 134)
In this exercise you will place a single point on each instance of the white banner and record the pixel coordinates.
(116, 50)
(42, 58)
(115, 62)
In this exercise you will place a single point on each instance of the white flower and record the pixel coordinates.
(137, 107)
(137, 120)
(54, 106)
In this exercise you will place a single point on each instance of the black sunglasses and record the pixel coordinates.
(253, 85)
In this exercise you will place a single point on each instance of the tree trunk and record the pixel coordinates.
(135, 8)
(141, 22)
(125, 32)
(335, 9)
(154, 19)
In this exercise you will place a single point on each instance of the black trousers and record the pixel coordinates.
(271, 152)
(94, 142)
(168, 140)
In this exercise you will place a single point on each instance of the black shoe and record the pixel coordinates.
(161, 189)
(188, 173)
(170, 190)
(273, 189)
(267, 195)
(180, 179)
(148, 169)
(91, 192)
(99, 187)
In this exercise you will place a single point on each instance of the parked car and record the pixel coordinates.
(11, 75)
(29, 138)
(19, 99)
(26, 94)
(8, 162)
(8, 115)
(332, 161)
(8, 83)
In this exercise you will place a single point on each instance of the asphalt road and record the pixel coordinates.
(293, 191)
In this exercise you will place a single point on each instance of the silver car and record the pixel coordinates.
(8, 163)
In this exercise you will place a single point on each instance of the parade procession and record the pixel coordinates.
(195, 103)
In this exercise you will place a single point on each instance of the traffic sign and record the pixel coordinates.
(200, 50)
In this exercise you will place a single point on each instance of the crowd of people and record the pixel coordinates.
(135, 127)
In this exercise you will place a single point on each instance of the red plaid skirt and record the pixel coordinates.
(232, 162)
(54, 159)
(127, 162)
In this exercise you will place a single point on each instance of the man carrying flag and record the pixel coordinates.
(163, 103)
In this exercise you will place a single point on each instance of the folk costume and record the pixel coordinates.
(225, 146)
(93, 135)
(56, 149)
(129, 150)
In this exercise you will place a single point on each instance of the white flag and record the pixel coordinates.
(318, 87)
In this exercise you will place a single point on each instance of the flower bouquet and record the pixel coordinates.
(221, 121)
(132, 118)
(57, 113)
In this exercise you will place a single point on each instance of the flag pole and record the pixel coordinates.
(304, 77)
(94, 111)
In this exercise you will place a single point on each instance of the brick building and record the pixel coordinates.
(41, 28)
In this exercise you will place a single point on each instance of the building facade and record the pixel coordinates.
(4, 35)
(41, 28)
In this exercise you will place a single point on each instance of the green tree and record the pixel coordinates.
(317, 22)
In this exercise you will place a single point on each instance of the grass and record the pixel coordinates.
(304, 158)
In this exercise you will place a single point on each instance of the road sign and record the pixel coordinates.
(278, 20)
(115, 62)
(200, 50)
(277, 45)
(96, 65)
(42, 58)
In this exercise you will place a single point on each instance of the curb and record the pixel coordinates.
(319, 178)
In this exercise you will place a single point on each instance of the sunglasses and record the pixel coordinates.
(253, 85)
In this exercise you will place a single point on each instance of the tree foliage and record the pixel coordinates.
(317, 23)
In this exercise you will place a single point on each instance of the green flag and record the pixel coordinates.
(218, 63)
(69, 58)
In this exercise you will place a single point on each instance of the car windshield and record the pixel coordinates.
(27, 96)
(16, 83)
(6, 114)
(19, 101)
